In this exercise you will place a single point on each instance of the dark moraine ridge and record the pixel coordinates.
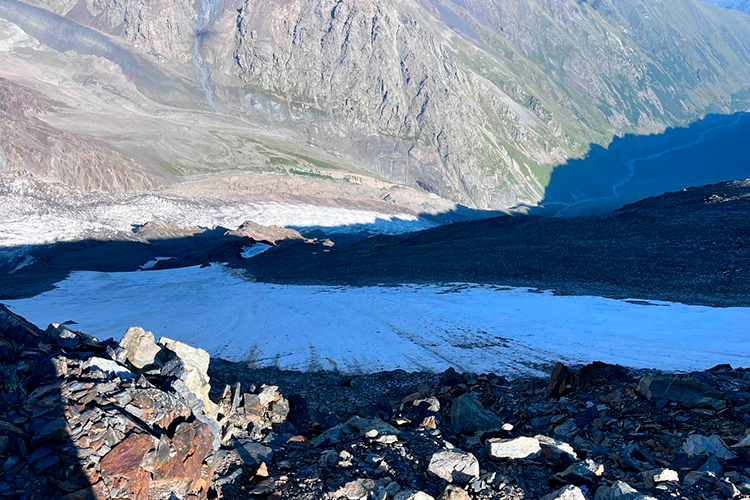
(692, 246)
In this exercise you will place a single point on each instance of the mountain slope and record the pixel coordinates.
(475, 101)
(688, 246)
(740, 5)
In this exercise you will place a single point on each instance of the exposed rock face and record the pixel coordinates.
(95, 422)
(164, 29)
(265, 234)
(474, 101)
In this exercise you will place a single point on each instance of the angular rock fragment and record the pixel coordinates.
(662, 475)
(517, 448)
(140, 347)
(452, 492)
(566, 493)
(559, 382)
(454, 466)
(468, 412)
(707, 445)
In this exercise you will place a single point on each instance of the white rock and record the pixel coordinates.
(556, 447)
(620, 490)
(413, 495)
(566, 493)
(107, 366)
(193, 357)
(652, 477)
(520, 447)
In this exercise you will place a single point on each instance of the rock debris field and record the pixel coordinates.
(157, 418)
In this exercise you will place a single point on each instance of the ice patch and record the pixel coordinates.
(150, 264)
(471, 327)
(252, 251)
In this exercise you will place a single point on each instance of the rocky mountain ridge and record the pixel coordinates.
(474, 101)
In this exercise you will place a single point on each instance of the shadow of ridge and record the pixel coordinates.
(633, 167)
(38, 458)
(29, 270)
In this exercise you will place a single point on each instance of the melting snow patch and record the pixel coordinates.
(257, 249)
(415, 327)
(150, 264)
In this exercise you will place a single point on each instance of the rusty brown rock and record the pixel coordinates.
(125, 459)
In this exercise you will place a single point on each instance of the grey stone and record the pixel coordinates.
(253, 453)
(193, 357)
(413, 495)
(620, 490)
(468, 412)
(556, 448)
(566, 493)
(689, 391)
(140, 347)
(359, 489)
(712, 465)
(707, 445)
(452, 492)
(454, 466)
(582, 473)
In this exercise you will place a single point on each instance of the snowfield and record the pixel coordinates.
(470, 327)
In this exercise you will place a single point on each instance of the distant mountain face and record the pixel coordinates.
(741, 5)
(474, 100)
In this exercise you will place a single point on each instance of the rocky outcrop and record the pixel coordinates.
(102, 420)
(265, 234)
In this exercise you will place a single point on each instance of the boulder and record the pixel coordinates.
(707, 445)
(598, 373)
(359, 489)
(140, 347)
(689, 391)
(193, 357)
(583, 473)
(468, 412)
(566, 493)
(413, 495)
(454, 466)
(516, 448)
(253, 453)
(559, 450)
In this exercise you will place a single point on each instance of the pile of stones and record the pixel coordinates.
(87, 419)
(600, 432)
